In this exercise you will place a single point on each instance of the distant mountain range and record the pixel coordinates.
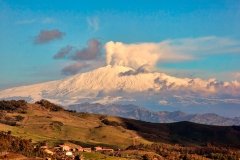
(139, 113)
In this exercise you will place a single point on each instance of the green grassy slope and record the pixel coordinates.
(41, 124)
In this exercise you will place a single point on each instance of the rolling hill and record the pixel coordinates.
(45, 121)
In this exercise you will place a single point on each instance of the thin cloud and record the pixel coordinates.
(74, 68)
(80, 66)
(46, 36)
(203, 46)
(26, 21)
(236, 75)
(91, 52)
(63, 52)
(48, 20)
(85, 58)
(93, 23)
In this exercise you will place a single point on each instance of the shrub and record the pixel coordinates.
(13, 105)
(48, 105)
(110, 123)
(19, 118)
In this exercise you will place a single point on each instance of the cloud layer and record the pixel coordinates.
(82, 58)
(74, 68)
(143, 57)
(46, 36)
(138, 54)
(91, 52)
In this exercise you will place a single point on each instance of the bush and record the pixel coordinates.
(48, 105)
(13, 105)
(10, 123)
(19, 118)
(57, 123)
(110, 123)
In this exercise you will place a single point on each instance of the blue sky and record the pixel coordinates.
(24, 62)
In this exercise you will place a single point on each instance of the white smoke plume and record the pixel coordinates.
(137, 55)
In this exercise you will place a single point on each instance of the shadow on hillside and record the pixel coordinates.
(185, 133)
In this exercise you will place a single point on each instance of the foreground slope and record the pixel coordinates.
(43, 123)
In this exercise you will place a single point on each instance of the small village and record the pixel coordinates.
(68, 151)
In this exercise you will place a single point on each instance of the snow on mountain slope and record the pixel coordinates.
(117, 83)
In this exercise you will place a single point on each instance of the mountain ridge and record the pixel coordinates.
(140, 113)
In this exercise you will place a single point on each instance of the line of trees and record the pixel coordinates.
(9, 143)
(13, 105)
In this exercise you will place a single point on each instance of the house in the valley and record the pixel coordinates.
(101, 149)
(65, 147)
(71, 147)
(98, 148)
(87, 150)
(69, 154)
(75, 148)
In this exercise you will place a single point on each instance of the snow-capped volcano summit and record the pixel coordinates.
(118, 83)
(90, 84)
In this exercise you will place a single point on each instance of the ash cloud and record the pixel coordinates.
(85, 58)
(63, 52)
(91, 52)
(142, 69)
(46, 36)
(74, 68)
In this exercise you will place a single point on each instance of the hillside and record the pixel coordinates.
(46, 122)
(140, 113)
(41, 123)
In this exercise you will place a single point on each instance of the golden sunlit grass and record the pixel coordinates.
(40, 124)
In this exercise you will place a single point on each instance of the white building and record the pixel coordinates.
(69, 153)
(65, 147)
